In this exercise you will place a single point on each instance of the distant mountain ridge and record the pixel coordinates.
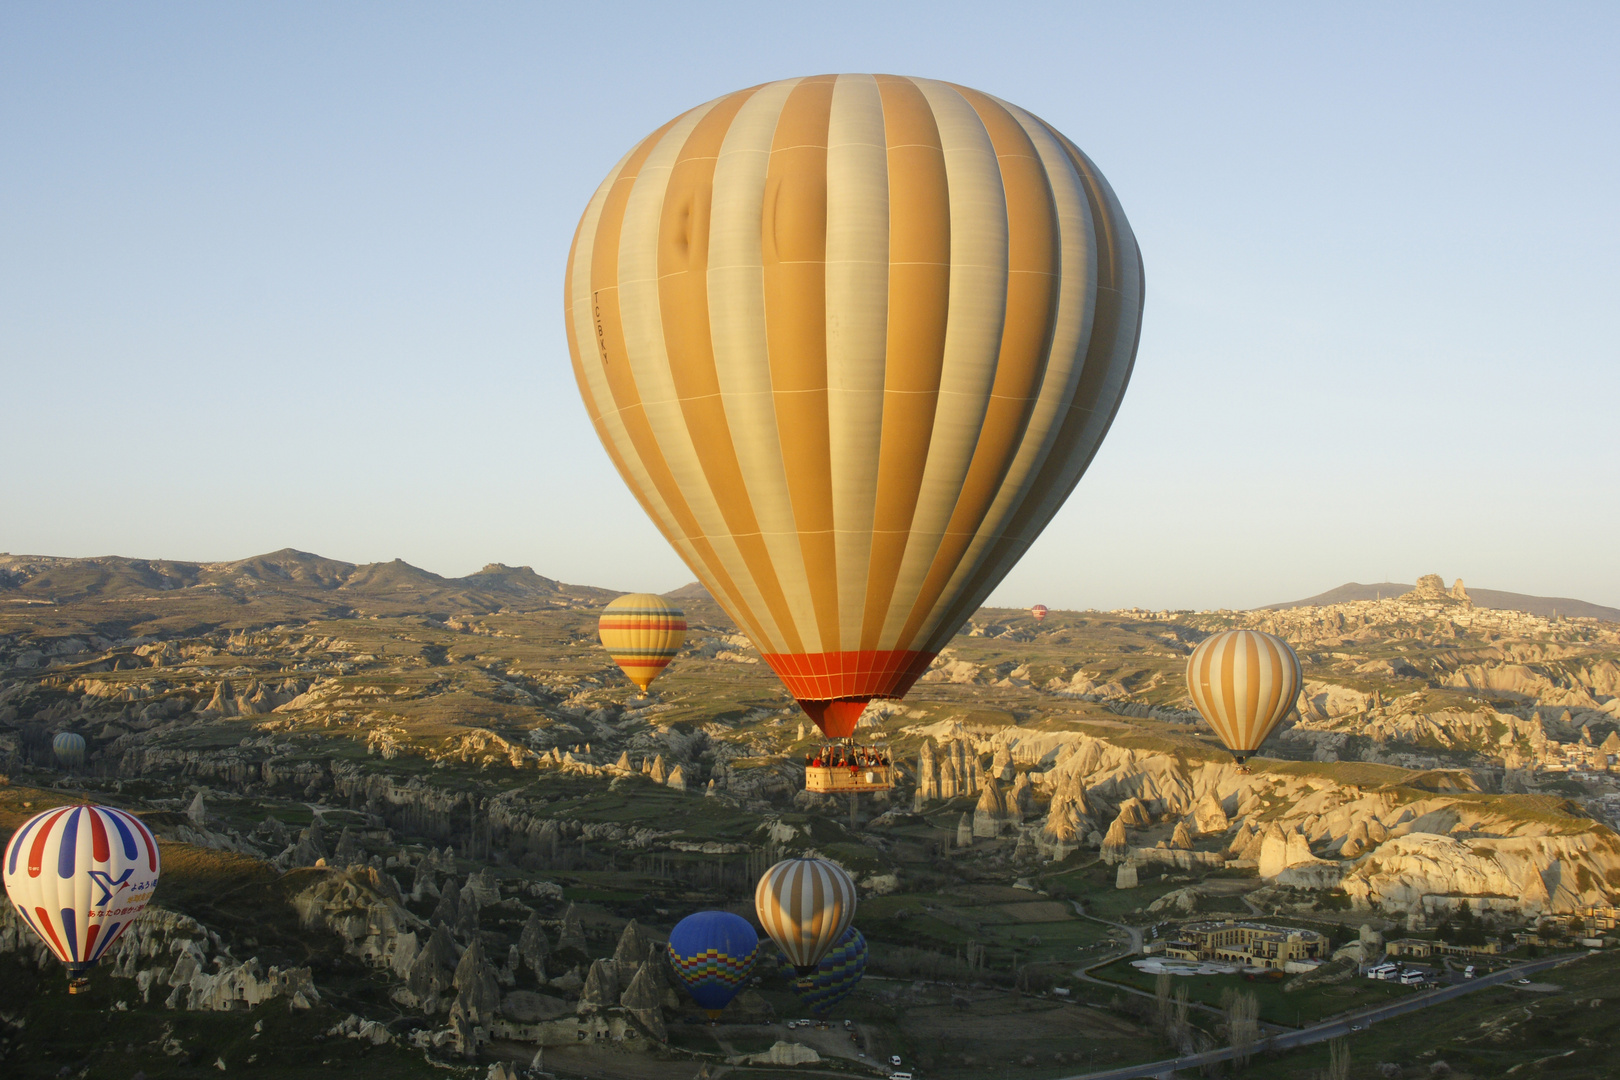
(1544, 606)
(283, 578)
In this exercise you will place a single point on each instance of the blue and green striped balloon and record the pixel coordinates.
(835, 977)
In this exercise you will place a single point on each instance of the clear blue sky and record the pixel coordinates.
(290, 275)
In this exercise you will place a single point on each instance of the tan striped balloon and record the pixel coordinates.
(805, 905)
(1243, 682)
(851, 340)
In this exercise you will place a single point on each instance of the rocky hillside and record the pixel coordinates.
(434, 812)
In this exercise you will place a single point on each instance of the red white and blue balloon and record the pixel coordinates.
(79, 875)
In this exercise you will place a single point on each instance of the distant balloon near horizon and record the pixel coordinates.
(1243, 683)
(78, 876)
(1038, 612)
(851, 340)
(642, 632)
(68, 746)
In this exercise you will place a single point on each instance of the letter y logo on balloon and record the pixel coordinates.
(106, 882)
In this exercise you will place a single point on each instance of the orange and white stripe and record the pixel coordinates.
(642, 632)
(851, 340)
(805, 905)
(1243, 682)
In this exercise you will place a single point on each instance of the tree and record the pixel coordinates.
(1338, 1061)
(1242, 1022)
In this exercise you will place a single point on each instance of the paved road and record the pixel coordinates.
(1331, 1029)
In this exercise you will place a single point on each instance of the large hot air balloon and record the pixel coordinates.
(805, 905)
(1038, 612)
(642, 632)
(851, 341)
(69, 749)
(836, 975)
(712, 953)
(1243, 682)
(78, 875)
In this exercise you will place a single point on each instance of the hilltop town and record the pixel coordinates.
(429, 821)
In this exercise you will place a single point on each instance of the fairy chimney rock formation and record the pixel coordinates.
(573, 933)
(1021, 805)
(990, 815)
(533, 946)
(643, 999)
(964, 832)
(1134, 814)
(1115, 844)
(1125, 877)
(631, 952)
(601, 988)
(1208, 816)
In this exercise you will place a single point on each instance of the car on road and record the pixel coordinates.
(1524, 982)
(1358, 1027)
(894, 1061)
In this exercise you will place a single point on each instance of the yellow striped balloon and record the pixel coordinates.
(805, 905)
(642, 632)
(851, 341)
(1243, 682)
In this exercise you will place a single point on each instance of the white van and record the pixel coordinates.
(1468, 972)
(1408, 978)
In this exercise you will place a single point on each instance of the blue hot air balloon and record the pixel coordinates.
(713, 953)
(835, 977)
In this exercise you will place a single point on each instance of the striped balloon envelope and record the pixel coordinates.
(805, 905)
(1038, 612)
(1243, 682)
(68, 748)
(851, 340)
(713, 953)
(836, 975)
(79, 875)
(642, 632)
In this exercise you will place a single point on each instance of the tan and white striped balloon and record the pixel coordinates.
(851, 340)
(1243, 682)
(805, 905)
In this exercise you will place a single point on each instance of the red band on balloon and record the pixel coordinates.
(872, 673)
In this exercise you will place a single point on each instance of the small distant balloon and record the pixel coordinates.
(642, 632)
(713, 953)
(1243, 682)
(836, 975)
(69, 749)
(78, 876)
(805, 905)
(1038, 612)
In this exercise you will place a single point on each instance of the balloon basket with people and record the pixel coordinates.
(845, 767)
